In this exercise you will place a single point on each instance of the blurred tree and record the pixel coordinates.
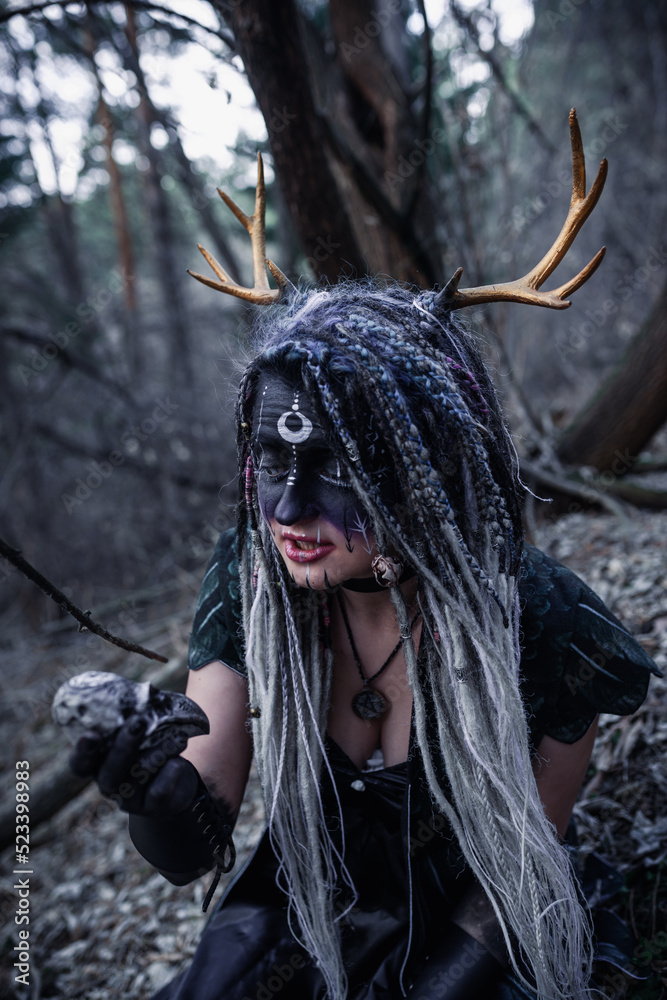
(630, 406)
(614, 56)
(94, 310)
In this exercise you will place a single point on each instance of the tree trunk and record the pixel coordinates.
(268, 39)
(169, 273)
(118, 209)
(338, 143)
(630, 406)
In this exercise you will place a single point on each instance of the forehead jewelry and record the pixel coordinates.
(303, 432)
(369, 703)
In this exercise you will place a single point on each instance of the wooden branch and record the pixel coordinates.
(596, 491)
(640, 496)
(71, 360)
(16, 559)
(643, 465)
(564, 485)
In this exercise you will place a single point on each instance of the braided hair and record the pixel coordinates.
(403, 394)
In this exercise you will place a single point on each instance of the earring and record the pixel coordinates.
(387, 571)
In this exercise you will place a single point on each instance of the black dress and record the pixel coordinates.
(407, 867)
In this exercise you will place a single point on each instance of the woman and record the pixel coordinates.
(419, 691)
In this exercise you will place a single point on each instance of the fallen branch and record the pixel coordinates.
(85, 621)
(640, 496)
(649, 465)
(564, 485)
(593, 490)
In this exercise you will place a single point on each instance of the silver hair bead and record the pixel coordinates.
(352, 451)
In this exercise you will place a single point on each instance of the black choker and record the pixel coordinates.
(369, 585)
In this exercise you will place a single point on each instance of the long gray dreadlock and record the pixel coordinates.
(389, 360)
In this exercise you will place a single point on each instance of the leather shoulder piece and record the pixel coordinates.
(217, 629)
(577, 659)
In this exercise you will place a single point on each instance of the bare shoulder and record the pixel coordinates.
(560, 769)
(223, 756)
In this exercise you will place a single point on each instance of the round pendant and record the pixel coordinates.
(369, 704)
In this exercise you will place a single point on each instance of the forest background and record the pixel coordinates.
(399, 137)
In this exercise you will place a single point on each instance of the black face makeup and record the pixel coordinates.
(298, 477)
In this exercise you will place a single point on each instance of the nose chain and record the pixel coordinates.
(369, 703)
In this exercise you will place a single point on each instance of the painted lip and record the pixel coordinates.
(305, 555)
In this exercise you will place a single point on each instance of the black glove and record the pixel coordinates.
(174, 822)
(156, 782)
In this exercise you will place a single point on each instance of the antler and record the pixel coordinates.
(261, 293)
(526, 289)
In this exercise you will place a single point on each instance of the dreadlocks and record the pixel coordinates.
(411, 413)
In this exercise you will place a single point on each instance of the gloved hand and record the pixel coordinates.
(155, 782)
(129, 737)
(174, 822)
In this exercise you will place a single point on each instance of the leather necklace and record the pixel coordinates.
(369, 703)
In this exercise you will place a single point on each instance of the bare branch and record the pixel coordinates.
(561, 483)
(16, 559)
(36, 8)
(516, 99)
(71, 360)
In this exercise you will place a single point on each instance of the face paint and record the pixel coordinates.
(303, 490)
(299, 478)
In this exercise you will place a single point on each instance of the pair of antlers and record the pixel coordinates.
(525, 289)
